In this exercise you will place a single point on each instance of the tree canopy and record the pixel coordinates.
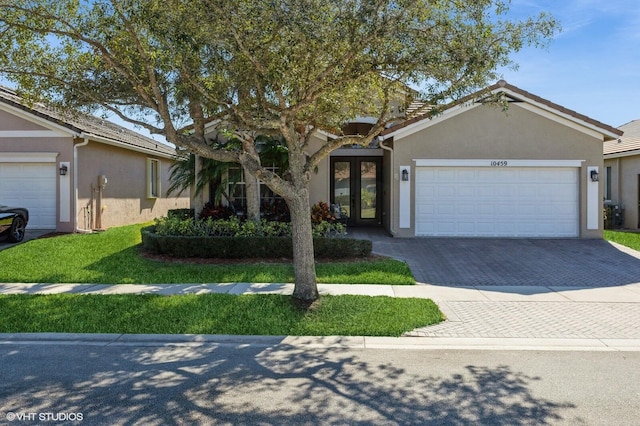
(258, 67)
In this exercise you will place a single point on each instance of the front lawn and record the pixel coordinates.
(113, 257)
(629, 239)
(274, 315)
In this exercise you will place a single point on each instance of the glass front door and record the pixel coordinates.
(355, 185)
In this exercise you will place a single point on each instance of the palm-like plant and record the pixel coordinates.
(182, 173)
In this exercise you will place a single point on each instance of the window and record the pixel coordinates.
(153, 178)
(607, 183)
(237, 193)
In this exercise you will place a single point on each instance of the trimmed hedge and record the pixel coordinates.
(249, 247)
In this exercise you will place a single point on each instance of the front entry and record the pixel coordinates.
(356, 186)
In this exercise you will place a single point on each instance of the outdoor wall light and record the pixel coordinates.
(594, 176)
(405, 175)
(63, 170)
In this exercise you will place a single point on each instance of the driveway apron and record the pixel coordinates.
(523, 288)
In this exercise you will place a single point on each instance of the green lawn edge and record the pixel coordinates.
(274, 315)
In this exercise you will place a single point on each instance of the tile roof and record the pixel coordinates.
(627, 143)
(81, 123)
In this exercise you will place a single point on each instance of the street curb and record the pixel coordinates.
(325, 342)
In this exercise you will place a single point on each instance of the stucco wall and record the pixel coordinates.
(625, 176)
(55, 142)
(486, 132)
(124, 198)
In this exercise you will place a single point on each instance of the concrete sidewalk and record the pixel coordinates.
(478, 317)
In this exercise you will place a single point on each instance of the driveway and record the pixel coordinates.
(30, 234)
(510, 262)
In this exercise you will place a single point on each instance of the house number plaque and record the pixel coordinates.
(499, 163)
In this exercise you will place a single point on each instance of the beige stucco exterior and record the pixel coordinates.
(486, 132)
(124, 198)
(26, 137)
(478, 131)
(625, 178)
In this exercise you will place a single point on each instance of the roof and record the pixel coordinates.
(627, 144)
(514, 93)
(84, 125)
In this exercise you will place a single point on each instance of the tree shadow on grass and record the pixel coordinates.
(235, 383)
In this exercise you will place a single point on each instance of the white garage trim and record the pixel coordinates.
(499, 201)
(31, 185)
(28, 157)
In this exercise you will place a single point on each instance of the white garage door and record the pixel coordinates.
(30, 185)
(497, 202)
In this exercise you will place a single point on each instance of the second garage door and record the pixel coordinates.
(497, 202)
(30, 185)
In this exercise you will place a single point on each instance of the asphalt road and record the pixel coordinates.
(213, 383)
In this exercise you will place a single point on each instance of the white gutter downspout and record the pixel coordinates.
(75, 184)
(391, 186)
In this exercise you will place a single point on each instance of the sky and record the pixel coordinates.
(592, 66)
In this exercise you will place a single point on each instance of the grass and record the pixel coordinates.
(215, 314)
(629, 239)
(113, 257)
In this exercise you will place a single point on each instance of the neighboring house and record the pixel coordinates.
(79, 172)
(622, 177)
(475, 170)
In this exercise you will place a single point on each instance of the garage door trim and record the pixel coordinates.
(28, 157)
(442, 219)
(496, 162)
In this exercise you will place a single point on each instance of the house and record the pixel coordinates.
(475, 170)
(622, 177)
(78, 172)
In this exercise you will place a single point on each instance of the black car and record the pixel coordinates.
(13, 223)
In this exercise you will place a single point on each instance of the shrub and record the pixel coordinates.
(233, 238)
(216, 212)
(233, 227)
(238, 247)
(182, 213)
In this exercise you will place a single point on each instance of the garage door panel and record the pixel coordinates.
(518, 202)
(33, 186)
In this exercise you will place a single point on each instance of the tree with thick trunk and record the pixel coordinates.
(256, 67)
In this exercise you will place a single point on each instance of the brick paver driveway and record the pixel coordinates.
(511, 262)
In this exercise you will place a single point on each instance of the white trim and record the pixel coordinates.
(28, 157)
(496, 162)
(593, 213)
(558, 113)
(427, 122)
(527, 103)
(153, 178)
(33, 134)
(404, 199)
(65, 193)
(34, 118)
(129, 146)
(622, 154)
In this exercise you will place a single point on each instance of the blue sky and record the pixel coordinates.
(593, 65)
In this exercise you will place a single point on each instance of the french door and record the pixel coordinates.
(356, 186)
